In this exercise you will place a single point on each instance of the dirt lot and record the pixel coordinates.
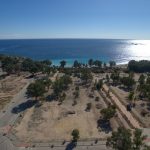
(54, 122)
(10, 86)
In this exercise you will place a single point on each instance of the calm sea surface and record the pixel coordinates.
(78, 49)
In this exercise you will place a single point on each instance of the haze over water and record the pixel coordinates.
(120, 51)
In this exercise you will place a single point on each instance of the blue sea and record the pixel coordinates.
(56, 50)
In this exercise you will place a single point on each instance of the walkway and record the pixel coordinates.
(123, 109)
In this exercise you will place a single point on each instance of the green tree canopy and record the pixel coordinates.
(109, 112)
(139, 66)
(112, 63)
(36, 89)
(75, 135)
(62, 63)
(99, 85)
(122, 139)
(86, 75)
(90, 62)
(97, 63)
(128, 82)
(61, 84)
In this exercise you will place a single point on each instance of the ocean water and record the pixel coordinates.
(56, 50)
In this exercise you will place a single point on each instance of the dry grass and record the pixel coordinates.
(52, 121)
(10, 86)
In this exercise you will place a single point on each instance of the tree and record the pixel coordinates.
(99, 85)
(61, 84)
(27, 64)
(105, 65)
(97, 63)
(107, 78)
(139, 66)
(36, 89)
(47, 70)
(75, 135)
(120, 140)
(17, 68)
(115, 76)
(131, 96)
(76, 93)
(148, 80)
(141, 79)
(88, 106)
(9, 64)
(146, 147)
(128, 82)
(47, 62)
(48, 83)
(76, 64)
(32, 66)
(9, 68)
(112, 64)
(109, 112)
(90, 62)
(86, 75)
(138, 139)
(62, 97)
(62, 63)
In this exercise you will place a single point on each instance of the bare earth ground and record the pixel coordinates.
(10, 86)
(52, 121)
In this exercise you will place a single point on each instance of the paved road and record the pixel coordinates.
(6, 116)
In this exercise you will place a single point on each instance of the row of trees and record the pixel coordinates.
(86, 75)
(128, 81)
(60, 85)
(123, 139)
(139, 66)
(93, 63)
(39, 87)
(144, 86)
(12, 64)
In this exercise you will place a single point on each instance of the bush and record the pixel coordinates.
(97, 99)
(88, 107)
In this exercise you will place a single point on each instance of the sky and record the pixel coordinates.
(113, 19)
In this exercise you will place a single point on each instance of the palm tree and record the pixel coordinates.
(62, 63)
(90, 62)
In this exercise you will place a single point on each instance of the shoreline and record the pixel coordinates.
(70, 61)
